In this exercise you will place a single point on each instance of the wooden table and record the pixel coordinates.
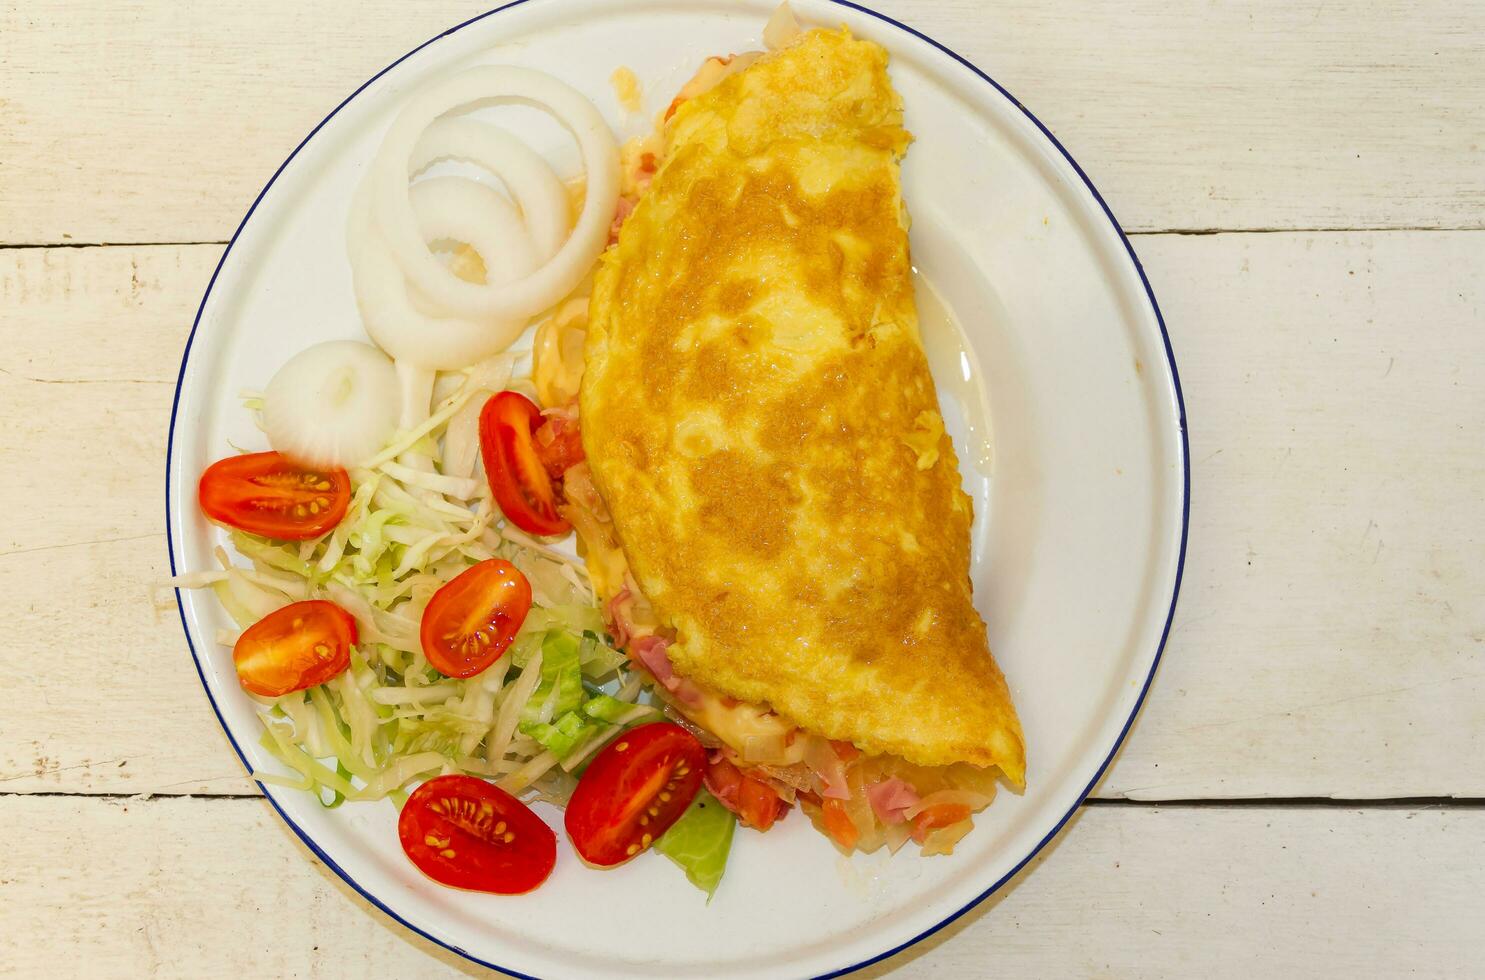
(1303, 793)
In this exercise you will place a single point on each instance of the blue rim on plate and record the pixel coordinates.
(1164, 634)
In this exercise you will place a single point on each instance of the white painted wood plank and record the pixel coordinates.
(190, 888)
(160, 121)
(1331, 633)
(1336, 386)
(108, 700)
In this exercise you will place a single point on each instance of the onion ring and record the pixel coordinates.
(468, 211)
(536, 189)
(393, 320)
(394, 218)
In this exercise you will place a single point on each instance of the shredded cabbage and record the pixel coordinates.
(391, 719)
(531, 721)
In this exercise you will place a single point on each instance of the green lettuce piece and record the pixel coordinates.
(563, 735)
(273, 555)
(598, 658)
(603, 707)
(573, 618)
(525, 645)
(699, 842)
(562, 672)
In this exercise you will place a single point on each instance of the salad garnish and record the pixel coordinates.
(267, 494)
(334, 404)
(633, 792)
(465, 833)
(407, 621)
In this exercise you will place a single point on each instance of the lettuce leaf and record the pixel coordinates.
(700, 841)
(561, 678)
(603, 707)
(598, 658)
(563, 735)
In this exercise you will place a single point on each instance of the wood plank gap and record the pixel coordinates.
(140, 797)
(1144, 233)
(1256, 803)
(1302, 802)
(1336, 230)
(18, 246)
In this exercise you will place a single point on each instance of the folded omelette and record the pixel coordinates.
(760, 421)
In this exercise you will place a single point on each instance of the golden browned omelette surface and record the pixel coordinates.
(759, 417)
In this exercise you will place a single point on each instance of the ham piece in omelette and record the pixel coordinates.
(760, 420)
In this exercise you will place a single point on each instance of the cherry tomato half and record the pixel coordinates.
(633, 791)
(264, 493)
(298, 646)
(522, 486)
(754, 801)
(473, 618)
(463, 832)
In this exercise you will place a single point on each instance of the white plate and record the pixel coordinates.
(1080, 511)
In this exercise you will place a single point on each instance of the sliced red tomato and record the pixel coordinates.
(838, 823)
(559, 445)
(758, 805)
(633, 791)
(754, 801)
(845, 751)
(298, 646)
(939, 815)
(463, 832)
(264, 493)
(523, 488)
(473, 618)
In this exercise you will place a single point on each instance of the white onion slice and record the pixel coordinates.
(536, 189)
(332, 405)
(434, 343)
(394, 216)
(452, 208)
(416, 395)
(461, 439)
(782, 28)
